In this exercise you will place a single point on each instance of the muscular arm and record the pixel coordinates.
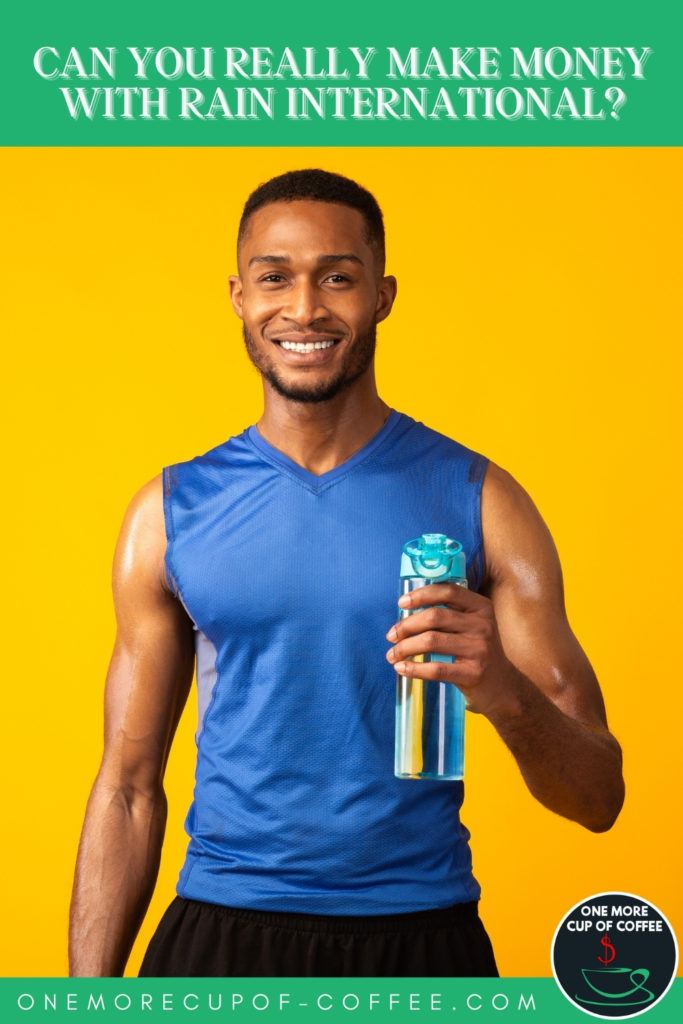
(550, 713)
(518, 662)
(146, 688)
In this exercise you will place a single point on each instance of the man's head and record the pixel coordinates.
(322, 187)
(310, 254)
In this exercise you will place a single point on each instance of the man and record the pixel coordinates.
(273, 560)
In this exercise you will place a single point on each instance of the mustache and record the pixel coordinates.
(317, 330)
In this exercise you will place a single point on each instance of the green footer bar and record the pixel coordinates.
(301, 999)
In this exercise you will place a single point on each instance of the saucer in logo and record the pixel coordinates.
(614, 955)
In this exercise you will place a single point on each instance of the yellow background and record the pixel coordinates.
(539, 296)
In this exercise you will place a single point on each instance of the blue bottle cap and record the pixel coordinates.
(434, 556)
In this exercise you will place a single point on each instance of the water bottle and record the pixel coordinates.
(430, 715)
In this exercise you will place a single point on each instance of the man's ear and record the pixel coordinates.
(236, 294)
(385, 298)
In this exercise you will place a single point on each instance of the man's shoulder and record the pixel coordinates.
(505, 494)
(517, 540)
(500, 483)
(146, 503)
(445, 444)
(141, 543)
(217, 454)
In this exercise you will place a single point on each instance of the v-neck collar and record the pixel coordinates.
(313, 481)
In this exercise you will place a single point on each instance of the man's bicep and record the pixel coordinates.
(152, 664)
(526, 588)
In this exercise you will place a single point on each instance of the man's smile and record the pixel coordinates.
(313, 347)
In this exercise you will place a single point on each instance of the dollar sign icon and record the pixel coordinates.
(610, 951)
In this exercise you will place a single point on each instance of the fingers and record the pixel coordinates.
(460, 645)
(463, 672)
(446, 620)
(451, 621)
(443, 593)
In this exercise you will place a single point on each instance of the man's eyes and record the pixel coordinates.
(275, 278)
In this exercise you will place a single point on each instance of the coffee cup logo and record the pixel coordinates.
(614, 955)
(617, 983)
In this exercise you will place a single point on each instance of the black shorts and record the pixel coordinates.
(197, 939)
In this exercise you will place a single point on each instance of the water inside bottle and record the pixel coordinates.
(430, 722)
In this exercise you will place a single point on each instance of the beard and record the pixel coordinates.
(355, 362)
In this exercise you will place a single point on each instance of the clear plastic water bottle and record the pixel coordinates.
(430, 715)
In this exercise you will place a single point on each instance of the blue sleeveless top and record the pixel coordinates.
(291, 581)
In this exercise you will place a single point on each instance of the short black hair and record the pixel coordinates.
(324, 187)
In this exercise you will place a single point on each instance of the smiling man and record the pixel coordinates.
(270, 565)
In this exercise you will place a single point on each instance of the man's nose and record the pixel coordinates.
(305, 304)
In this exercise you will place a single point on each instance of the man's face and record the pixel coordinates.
(309, 278)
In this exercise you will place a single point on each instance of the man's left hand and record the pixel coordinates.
(465, 628)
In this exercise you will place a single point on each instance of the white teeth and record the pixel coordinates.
(293, 346)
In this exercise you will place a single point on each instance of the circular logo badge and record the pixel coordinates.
(614, 955)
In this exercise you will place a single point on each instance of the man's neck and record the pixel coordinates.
(321, 436)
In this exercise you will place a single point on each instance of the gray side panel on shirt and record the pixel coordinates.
(206, 675)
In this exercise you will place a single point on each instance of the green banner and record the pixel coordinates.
(301, 1000)
(361, 74)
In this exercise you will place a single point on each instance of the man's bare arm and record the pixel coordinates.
(147, 684)
(518, 662)
(553, 715)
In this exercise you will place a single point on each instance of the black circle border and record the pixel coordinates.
(633, 896)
